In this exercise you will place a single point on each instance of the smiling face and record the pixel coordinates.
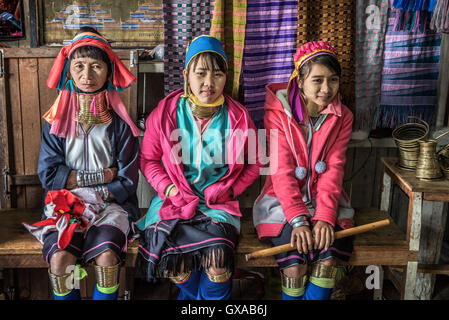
(320, 86)
(205, 78)
(88, 74)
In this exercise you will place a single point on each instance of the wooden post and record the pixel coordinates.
(443, 82)
(385, 197)
(413, 232)
(432, 231)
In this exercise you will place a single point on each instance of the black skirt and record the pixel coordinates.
(166, 245)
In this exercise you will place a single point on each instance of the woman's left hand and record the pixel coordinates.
(323, 234)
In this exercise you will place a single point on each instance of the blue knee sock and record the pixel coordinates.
(189, 287)
(289, 297)
(293, 293)
(105, 293)
(209, 290)
(319, 289)
(72, 295)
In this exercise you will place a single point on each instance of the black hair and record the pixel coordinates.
(91, 51)
(326, 60)
(212, 59)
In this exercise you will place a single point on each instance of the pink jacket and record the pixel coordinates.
(157, 147)
(282, 183)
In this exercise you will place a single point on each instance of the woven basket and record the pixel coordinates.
(407, 137)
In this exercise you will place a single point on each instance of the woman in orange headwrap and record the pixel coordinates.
(88, 155)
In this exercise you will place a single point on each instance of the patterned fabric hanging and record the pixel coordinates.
(270, 42)
(183, 21)
(228, 25)
(440, 17)
(332, 21)
(409, 76)
(371, 25)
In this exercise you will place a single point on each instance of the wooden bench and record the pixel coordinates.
(385, 246)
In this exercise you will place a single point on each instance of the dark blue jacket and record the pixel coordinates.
(53, 172)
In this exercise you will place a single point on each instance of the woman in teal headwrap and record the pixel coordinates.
(189, 154)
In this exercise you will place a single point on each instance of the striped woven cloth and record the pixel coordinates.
(371, 25)
(332, 21)
(228, 25)
(270, 42)
(409, 76)
(183, 21)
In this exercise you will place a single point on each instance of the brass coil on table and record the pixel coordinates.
(407, 137)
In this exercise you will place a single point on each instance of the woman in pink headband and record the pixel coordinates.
(302, 201)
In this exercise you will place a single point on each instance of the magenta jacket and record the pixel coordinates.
(158, 152)
(282, 184)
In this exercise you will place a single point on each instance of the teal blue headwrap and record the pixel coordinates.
(201, 44)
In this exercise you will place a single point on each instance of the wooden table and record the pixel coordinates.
(426, 222)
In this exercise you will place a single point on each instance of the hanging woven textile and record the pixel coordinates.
(371, 25)
(228, 25)
(413, 15)
(270, 42)
(332, 21)
(409, 76)
(440, 17)
(183, 21)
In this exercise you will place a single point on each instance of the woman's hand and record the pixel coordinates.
(71, 181)
(323, 234)
(303, 238)
(173, 192)
(110, 174)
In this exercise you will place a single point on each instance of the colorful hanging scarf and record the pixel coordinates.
(270, 42)
(409, 76)
(440, 17)
(413, 15)
(63, 115)
(332, 21)
(229, 25)
(371, 25)
(183, 21)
